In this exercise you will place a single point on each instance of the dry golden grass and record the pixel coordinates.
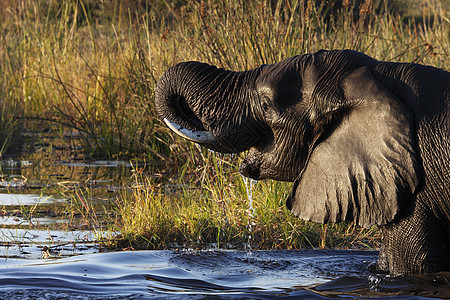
(92, 68)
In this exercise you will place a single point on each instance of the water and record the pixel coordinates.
(38, 217)
(30, 228)
(313, 274)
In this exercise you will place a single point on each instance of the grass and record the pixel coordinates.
(91, 67)
(210, 208)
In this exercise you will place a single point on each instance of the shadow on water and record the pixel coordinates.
(304, 274)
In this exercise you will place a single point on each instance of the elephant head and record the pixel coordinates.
(320, 120)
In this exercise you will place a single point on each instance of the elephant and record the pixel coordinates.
(362, 140)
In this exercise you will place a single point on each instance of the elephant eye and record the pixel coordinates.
(265, 106)
(268, 109)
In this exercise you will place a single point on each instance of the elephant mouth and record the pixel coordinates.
(258, 171)
(265, 163)
(251, 167)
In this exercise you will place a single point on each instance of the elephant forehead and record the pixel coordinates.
(266, 91)
(282, 92)
(277, 81)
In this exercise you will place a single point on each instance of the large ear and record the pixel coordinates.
(367, 167)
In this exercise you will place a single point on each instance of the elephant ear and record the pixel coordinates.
(367, 167)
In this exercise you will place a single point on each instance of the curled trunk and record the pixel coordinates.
(210, 106)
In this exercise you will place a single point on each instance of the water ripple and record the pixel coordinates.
(311, 274)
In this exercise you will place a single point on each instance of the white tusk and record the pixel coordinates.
(195, 136)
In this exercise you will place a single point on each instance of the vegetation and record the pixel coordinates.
(211, 209)
(90, 68)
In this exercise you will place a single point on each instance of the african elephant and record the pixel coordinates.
(363, 140)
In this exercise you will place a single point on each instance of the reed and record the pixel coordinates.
(210, 209)
(92, 69)
(80, 77)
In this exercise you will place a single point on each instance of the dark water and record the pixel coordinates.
(305, 274)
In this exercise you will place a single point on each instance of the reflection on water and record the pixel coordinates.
(39, 214)
(26, 199)
(46, 243)
(54, 202)
(39, 226)
(314, 274)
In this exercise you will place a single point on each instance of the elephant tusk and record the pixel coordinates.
(195, 136)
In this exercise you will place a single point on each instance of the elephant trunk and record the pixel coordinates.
(210, 106)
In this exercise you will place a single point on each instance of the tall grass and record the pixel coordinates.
(91, 79)
(210, 209)
(91, 67)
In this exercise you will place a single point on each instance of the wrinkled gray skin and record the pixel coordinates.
(362, 140)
